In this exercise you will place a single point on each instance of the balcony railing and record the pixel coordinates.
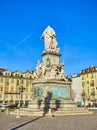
(11, 92)
(92, 84)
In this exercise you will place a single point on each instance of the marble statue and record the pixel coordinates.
(38, 71)
(34, 74)
(49, 36)
(38, 66)
(62, 75)
(43, 70)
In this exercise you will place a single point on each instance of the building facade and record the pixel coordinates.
(76, 87)
(89, 84)
(15, 86)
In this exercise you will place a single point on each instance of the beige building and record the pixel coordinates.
(89, 84)
(15, 86)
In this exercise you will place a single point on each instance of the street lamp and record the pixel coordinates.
(21, 90)
(84, 96)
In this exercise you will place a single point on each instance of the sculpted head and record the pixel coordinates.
(48, 27)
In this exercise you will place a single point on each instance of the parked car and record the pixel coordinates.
(4, 105)
(95, 104)
(0, 104)
(79, 104)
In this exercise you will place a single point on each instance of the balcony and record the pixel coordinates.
(91, 84)
(11, 92)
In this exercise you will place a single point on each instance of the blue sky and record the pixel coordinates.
(23, 21)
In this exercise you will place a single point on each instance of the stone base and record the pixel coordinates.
(68, 109)
(56, 108)
(53, 104)
(52, 108)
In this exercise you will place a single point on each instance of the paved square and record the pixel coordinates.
(79, 122)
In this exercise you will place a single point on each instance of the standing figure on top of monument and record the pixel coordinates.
(49, 36)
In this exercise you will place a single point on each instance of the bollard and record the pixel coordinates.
(18, 113)
(7, 110)
(50, 112)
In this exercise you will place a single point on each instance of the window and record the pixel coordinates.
(11, 96)
(8, 74)
(6, 96)
(7, 81)
(1, 88)
(12, 80)
(31, 96)
(6, 89)
(17, 90)
(30, 76)
(0, 95)
(87, 82)
(88, 91)
(92, 82)
(31, 82)
(22, 81)
(26, 96)
(17, 83)
(82, 77)
(26, 89)
(92, 76)
(12, 89)
(83, 84)
(27, 83)
(16, 75)
(1, 79)
(16, 96)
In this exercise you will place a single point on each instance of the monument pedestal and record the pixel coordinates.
(51, 94)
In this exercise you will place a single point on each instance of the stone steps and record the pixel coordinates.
(72, 111)
(60, 112)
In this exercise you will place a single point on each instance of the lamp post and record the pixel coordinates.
(21, 90)
(84, 97)
(4, 91)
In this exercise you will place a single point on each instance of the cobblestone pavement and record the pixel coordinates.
(78, 122)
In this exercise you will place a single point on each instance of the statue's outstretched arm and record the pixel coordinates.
(41, 36)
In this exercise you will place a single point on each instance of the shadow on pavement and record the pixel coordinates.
(25, 123)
